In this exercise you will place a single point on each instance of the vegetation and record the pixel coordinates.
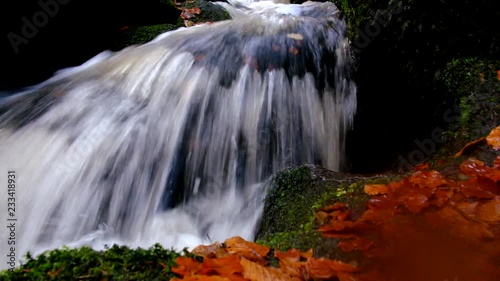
(115, 263)
(297, 194)
(205, 12)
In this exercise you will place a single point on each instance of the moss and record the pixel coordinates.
(297, 194)
(115, 263)
(473, 83)
(209, 12)
(142, 34)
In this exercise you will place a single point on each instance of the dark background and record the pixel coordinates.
(80, 30)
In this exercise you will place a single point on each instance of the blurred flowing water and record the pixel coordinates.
(174, 141)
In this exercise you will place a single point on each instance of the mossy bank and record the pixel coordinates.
(296, 194)
(115, 263)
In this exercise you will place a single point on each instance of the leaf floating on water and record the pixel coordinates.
(493, 138)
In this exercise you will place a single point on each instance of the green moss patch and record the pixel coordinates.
(297, 194)
(115, 263)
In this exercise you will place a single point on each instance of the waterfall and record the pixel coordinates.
(174, 141)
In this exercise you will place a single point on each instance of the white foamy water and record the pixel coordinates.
(175, 141)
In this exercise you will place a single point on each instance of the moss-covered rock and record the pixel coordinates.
(296, 194)
(209, 12)
(136, 35)
(115, 263)
(400, 47)
(474, 85)
(142, 34)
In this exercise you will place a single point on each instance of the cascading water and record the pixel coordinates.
(173, 141)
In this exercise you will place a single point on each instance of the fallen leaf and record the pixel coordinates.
(421, 167)
(489, 211)
(493, 138)
(472, 143)
(293, 50)
(355, 244)
(213, 250)
(431, 179)
(224, 266)
(251, 251)
(186, 266)
(478, 187)
(195, 11)
(336, 206)
(376, 189)
(257, 272)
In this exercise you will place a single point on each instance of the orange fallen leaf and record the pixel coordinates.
(478, 187)
(336, 206)
(321, 217)
(213, 250)
(421, 167)
(493, 138)
(489, 211)
(326, 269)
(469, 145)
(355, 244)
(195, 11)
(224, 266)
(186, 266)
(204, 278)
(251, 251)
(498, 74)
(431, 179)
(376, 189)
(257, 272)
